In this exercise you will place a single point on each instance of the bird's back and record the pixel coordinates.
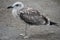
(32, 16)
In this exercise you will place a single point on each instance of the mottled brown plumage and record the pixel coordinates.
(33, 17)
(30, 16)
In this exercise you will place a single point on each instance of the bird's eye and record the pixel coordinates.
(17, 5)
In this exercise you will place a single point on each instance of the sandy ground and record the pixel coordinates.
(10, 28)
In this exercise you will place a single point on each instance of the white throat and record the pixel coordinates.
(14, 12)
(17, 9)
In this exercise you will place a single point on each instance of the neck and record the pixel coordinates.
(15, 12)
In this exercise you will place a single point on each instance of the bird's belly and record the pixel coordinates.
(34, 21)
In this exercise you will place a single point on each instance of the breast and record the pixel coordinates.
(14, 12)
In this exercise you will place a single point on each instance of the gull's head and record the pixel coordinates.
(16, 5)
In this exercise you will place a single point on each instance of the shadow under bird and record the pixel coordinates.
(30, 16)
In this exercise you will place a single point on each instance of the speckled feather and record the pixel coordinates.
(33, 17)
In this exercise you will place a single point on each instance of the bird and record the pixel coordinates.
(29, 15)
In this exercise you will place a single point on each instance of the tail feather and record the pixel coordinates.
(53, 23)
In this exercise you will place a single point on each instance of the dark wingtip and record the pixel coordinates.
(53, 23)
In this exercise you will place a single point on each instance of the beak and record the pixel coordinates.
(9, 7)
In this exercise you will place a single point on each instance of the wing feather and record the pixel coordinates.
(32, 17)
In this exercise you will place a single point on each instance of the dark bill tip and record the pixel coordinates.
(9, 7)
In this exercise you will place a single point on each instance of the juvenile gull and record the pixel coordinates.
(30, 16)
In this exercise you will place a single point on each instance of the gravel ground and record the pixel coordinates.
(10, 28)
